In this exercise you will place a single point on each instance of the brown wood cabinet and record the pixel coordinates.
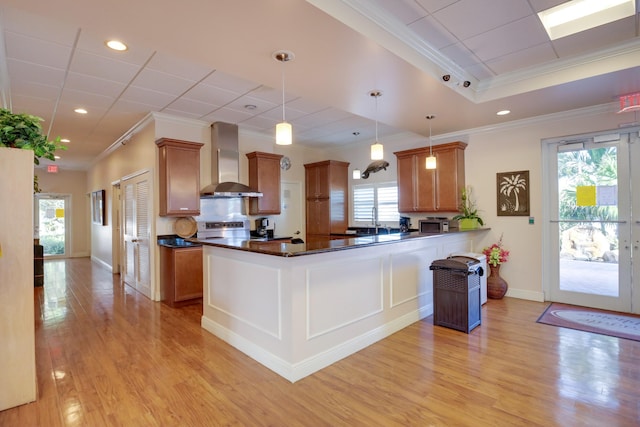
(179, 170)
(181, 275)
(327, 197)
(264, 176)
(423, 190)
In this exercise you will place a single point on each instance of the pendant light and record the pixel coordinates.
(431, 160)
(284, 130)
(356, 174)
(377, 151)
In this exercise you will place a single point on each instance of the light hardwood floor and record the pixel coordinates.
(107, 355)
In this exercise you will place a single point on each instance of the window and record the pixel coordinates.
(382, 196)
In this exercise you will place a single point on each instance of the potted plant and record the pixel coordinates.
(24, 131)
(468, 217)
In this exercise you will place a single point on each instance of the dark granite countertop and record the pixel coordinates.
(316, 246)
(171, 241)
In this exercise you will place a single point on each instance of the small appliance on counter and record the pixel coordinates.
(261, 227)
(431, 225)
(405, 224)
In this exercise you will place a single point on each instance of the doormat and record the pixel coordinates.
(612, 323)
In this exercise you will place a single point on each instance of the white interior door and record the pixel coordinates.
(591, 234)
(136, 233)
(290, 221)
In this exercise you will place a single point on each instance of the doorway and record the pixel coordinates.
(290, 222)
(590, 231)
(52, 223)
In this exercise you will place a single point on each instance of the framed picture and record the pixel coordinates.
(513, 193)
(98, 207)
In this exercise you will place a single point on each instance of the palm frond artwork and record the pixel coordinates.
(513, 193)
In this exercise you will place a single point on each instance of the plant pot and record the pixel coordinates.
(496, 285)
(467, 223)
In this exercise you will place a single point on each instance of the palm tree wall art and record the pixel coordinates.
(513, 193)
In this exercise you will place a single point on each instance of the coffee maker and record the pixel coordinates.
(261, 226)
(405, 224)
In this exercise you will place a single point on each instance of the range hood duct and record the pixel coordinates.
(225, 164)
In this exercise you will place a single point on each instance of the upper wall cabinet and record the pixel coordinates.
(435, 190)
(179, 172)
(264, 176)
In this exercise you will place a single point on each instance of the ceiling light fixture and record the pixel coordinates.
(580, 15)
(503, 112)
(80, 111)
(116, 45)
(65, 140)
(284, 130)
(377, 150)
(431, 160)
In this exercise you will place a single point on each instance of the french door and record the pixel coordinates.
(591, 234)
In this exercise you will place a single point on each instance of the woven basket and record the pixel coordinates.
(185, 226)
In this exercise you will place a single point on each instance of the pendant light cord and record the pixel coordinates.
(283, 116)
(377, 95)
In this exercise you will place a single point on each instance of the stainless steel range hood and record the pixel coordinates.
(225, 164)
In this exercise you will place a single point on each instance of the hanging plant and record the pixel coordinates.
(24, 131)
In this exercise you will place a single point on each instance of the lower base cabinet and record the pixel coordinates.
(181, 275)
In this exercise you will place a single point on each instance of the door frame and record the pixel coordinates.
(550, 244)
(67, 219)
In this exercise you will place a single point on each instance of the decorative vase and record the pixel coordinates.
(496, 285)
(467, 223)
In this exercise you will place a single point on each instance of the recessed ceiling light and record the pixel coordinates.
(56, 157)
(116, 45)
(65, 140)
(503, 112)
(580, 15)
(80, 111)
(250, 107)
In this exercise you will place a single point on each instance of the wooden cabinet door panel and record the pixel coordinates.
(406, 187)
(179, 172)
(425, 195)
(188, 274)
(448, 182)
(264, 176)
(318, 216)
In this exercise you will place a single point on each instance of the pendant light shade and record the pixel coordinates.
(284, 130)
(377, 150)
(284, 133)
(431, 162)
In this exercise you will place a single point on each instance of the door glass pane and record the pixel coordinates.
(588, 214)
(51, 226)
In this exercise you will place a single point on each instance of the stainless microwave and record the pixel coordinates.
(433, 225)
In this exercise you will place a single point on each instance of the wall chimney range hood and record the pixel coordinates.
(225, 164)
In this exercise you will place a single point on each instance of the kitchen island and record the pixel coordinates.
(297, 308)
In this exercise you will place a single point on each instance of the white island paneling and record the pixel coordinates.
(299, 314)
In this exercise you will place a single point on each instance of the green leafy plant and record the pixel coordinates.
(468, 209)
(24, 131)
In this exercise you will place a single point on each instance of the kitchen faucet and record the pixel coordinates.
(374, 218)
